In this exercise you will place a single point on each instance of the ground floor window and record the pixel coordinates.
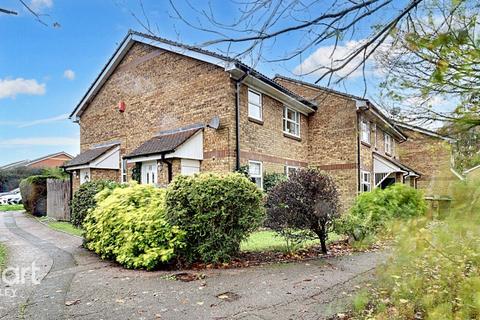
(366, 184)
(289, 170)
(124, 170)
(84, 175)
(255, 171)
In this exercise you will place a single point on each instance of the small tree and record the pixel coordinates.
(308, 201)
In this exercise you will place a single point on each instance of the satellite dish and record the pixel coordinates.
(214, 123)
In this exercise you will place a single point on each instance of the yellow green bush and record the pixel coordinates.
(128, 225)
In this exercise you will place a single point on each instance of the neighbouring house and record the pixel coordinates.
(160, 108)
(432, 155)
(54, 160)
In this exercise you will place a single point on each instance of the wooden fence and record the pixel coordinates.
(58, 199)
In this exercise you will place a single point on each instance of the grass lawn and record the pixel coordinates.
(3, 255)
(62, 226)
(270, 241)
(11, 207)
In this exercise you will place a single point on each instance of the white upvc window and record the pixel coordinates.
(365, 180)
(85, 175)
(289, 170)
(124, 170)
(291, 122)
(365, 131)
(388, 144)
(255, 105)
(255, 172)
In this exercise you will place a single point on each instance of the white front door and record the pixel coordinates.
(149, 172)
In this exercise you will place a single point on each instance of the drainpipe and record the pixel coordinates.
(358, 155)
(237, 119)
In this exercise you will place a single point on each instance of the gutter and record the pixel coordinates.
(238, 83)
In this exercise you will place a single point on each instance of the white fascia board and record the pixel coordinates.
(183, 51)
(85, 166)
(268, 90)
(458, 175)
(471, 169)
(145, 158)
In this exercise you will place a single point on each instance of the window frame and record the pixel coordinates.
(389, 149)
(375, 135)
(290, 167)
(364, 182)
(259, 176)
(296, 122)
(365, 128)
(260, 105)
(124, 171)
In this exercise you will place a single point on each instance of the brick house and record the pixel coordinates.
(54, 160)
(430, 153)
(160, 108)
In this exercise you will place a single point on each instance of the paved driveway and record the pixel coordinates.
(72, 283)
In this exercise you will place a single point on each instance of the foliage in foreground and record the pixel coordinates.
(217, 211)
(306, 203)
(434, 272)
(129, 225)
(84, 199)
(373, 210)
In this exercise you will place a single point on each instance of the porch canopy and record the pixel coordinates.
(101, 157)
(181, 143)
(385, 168)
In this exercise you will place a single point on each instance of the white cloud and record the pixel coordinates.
(12, 87)
(44, 141)
(43, 121)
(38, 5)
(69, 74)
(329, 57)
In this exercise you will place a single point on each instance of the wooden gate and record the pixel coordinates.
(58, 199)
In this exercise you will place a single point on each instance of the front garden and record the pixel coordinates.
(213, 219)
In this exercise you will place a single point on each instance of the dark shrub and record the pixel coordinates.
(271, 179)
(372, 210)
(10, 179)
(307, 201)
(84, 199)
(128, 225)
(34, 193)
(216, 211)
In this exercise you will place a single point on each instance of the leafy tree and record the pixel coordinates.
(307, 201)
(10, 179)
(271, 179)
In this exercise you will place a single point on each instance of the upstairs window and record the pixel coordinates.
(291, 122)
(254, 105)
(365, 131)
(366, 184)
(255, 172)
(388, 144)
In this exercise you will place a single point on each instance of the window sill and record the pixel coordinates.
(366, 144)
(291, 136)
(257, 121)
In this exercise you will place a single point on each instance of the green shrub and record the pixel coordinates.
(216, 211)
(128, 225)
(84, 199)
(372, 210)
(434, 271)
(271, 179)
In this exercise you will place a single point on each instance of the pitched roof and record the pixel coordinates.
(88, 156)
(194, 52)
(163, 143)
(424, 131)
(398, 163)
(26, 162)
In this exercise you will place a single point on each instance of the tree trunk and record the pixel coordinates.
(323, 239)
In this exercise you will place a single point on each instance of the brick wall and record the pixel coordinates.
(162, 91)
(431, 157)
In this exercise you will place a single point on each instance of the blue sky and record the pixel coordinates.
(44, 71)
